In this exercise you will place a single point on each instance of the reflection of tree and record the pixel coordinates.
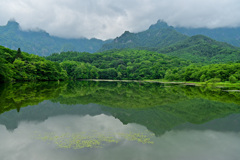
(17, 95)
(158, 107)
(139, 95)
(155, 106)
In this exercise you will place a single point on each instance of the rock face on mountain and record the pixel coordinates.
(158, 35)
(41, 43)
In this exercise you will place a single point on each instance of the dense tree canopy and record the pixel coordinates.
(201, 49)
(141, 64)
(217, 72)
(127, 64)
(20, 66)
(117, 64)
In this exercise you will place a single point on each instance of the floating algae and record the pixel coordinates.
(138, 137)
(93, 140)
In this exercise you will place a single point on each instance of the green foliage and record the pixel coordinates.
(80, 70)
(201, 49)
(214, 80)
(20, 66)
(142, 64)
(19, 53)
(117, 64)
(210, 73)
(233, 79)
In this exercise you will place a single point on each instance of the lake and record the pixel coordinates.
(115, 120)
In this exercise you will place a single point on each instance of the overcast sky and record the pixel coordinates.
(107, 18)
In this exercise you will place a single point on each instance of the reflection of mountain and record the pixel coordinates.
(164, 118)
(229, 123)
(160, 108)
(44, 110)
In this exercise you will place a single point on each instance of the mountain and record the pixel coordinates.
(229, 35)
(165, 39)
(158, 35)
(41, 43)
(202, 49)
(172, 41)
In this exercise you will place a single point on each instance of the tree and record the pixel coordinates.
(203, 78)
(19, 54)
(232, 79)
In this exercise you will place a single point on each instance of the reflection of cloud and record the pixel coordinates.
(199, 145)
(180, 145)
(73, 124)
(94, 139)
(76, 18)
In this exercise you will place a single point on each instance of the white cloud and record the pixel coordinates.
(108, 19)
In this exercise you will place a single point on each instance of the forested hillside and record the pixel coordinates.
(142, 64)
(158, 35)
(165, 39)
(202, 49)
(41, 43)
(21, 66)
(224, 34)
(157, 53)
(117, 64)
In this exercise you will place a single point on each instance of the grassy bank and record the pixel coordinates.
(207, 84)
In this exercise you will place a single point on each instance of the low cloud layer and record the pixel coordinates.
(107, 18)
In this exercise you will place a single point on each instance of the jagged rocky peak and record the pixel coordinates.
(13, 24)
(126, 33)
(159, 24)
(123, 37)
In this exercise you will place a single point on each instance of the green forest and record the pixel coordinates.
(126, 64)
(117, 64)
(141, 64)
(202, 49)
(159, 53)
(21, 66)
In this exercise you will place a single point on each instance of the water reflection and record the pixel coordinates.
(24, 143)
(100, 120)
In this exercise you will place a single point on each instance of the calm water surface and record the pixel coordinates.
(109, 120)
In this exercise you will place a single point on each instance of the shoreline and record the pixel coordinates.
(205, 84)
(141, 81)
